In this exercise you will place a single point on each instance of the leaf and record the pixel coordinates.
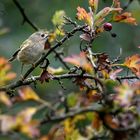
(125, 17)
(58, 18)
(96, 123)
(94, 5)
(124, 94)
(26, 93)
(72, 99)
(4, 98)
(94, 96)
(133, 63)
(86, 37)
(55, 71)
(7, 123)
(80, 61)
(26, 124)
(45, 76)
(5, 74)
(113, 74)
(83, 15)
(103, 13)
(110, 121)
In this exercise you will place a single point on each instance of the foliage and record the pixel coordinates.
(106, 103)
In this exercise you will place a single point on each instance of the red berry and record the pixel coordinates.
(107, 26)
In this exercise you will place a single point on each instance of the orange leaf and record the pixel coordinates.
(83, 15)
(10, 76)
(80, 61)
(96, 123)
(26, 93)
(111, 121)
(125, 17)
(103, 13)
(133, 62)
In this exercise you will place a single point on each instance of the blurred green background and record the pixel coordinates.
(41, 11)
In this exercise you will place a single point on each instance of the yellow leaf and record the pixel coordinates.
(83, 15)
(133, 62)
(30, 128)
(58, 18)
(55, 71)
(26, 93)
(5, 99)
(94, 5)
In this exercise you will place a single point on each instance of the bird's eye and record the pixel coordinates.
(42, 35)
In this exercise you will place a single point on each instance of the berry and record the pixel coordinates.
(107, 26)
(113, 35)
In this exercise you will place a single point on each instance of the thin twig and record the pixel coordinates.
(25, 18)
(127, 5)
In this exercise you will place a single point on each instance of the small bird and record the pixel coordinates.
(32, 48)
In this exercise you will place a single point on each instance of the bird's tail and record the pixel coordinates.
(14, 56)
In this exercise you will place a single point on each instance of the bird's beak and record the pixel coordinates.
(47, 36)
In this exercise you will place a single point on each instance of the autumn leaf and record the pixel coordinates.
(45, 76)
(55, 71)
(113, 73)
(94, 96)
(125, 17)
(26, 124)
(5, 74)
(26, 93)
(83, 15)
(4, 98)
(7, 123)
(124, 94)
(80, 61)
(111, 121)
(133, 63)
(100, 16)
(96, 122)
(94, 5)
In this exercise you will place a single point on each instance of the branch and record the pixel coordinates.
(28, 81)
(127, 77)
(127, 5)
(72, 114)
(25, 18)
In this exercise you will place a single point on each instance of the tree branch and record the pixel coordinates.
(25, 18)
(57, 77)
(72, 114)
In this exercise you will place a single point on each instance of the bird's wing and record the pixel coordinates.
(25, 44)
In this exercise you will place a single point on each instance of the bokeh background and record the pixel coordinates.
(40, 12)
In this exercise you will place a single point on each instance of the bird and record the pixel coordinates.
(32, 48)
